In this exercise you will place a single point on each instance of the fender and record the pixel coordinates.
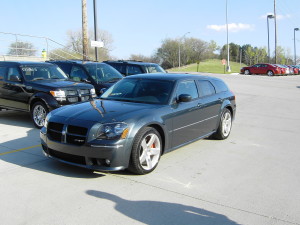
(48, 99)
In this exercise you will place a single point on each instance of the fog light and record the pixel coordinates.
(107, 161)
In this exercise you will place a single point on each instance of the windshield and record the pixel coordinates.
(140, 90)
(42, 72)
(102, 72)
(154, 69)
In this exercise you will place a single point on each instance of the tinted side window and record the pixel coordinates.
(2, 72)
(187, 87)
(132, 69)
(78, 74)
(206, 88)
(13, 71)
(220, 86)
(120, 67)
(65, 67)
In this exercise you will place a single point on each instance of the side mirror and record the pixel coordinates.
(15, 78)
(102, 90)
(184, 98)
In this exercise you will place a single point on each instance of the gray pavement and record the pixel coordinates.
(250, 178)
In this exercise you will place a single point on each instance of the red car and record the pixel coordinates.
(261, 68)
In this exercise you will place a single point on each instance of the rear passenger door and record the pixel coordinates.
(13, 92)
(210, 104)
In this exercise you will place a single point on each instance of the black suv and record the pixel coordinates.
(131, 67)
(98, 74)
(38, 88)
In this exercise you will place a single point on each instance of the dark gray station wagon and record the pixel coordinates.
(137, 120)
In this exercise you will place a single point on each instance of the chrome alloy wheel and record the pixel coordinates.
(150, 151)
(226, 123)
(39, 115)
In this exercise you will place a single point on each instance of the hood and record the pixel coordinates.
(104, 111)
(61, 84)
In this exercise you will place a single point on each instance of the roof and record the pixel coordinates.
(171, 76)
(24, 63)
(74, 61)
(130, 62)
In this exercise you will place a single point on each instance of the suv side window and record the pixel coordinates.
(2, 72)
(187, 87)
(13, 71)
(133, 69)
(78, 74)
(206, 88)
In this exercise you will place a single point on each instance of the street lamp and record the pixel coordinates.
(296, 29)
(269, 17)
(179, 47)
(228, 64)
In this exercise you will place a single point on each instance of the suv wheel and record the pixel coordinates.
(39, 112)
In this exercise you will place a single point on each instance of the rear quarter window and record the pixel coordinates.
(220, 86)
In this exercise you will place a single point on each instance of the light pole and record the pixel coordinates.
(275, 23)
(269, 17)
(295, 60)
(228, 64)
(179, 47)
(95, 28)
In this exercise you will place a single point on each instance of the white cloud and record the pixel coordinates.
(233, 27)
(279, 16)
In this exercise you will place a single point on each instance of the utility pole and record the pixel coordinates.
(228, 58)
(85, 39)
(95, 28)
(275, 19)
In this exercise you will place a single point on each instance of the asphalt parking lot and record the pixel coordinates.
(250, 178)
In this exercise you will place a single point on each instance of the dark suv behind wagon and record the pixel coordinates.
(38, 88)
(132, 67)
(100, 75)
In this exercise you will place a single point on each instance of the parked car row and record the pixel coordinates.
(270, 69)
(39, 88)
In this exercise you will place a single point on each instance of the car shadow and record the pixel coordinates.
(32, 157)
(158, 212)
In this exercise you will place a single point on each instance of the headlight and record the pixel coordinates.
(59, 95)
(112, 131)
(93, 92)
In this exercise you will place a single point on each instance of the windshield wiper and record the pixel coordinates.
(37, 78)
(113, 80)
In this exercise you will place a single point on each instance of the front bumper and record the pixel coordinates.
(101, 156)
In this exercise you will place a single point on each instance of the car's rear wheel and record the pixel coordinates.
(39, 112)
(225, 124)
(270, 73)
(247, 72)
(146, 151)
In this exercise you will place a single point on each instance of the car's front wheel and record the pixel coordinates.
(39, 112)
(225, 124)
(247, 72)
(146, 151)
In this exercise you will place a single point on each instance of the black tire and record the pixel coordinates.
(225, 125)
(137, 163)
(39, 112)
(247, 72)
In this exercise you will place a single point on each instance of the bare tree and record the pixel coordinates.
(22, 48)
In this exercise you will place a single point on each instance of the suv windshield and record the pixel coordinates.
(102, 72)
(154, 69)
(140, 90)
(42, 72)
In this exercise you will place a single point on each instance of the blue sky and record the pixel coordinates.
(139, 26)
